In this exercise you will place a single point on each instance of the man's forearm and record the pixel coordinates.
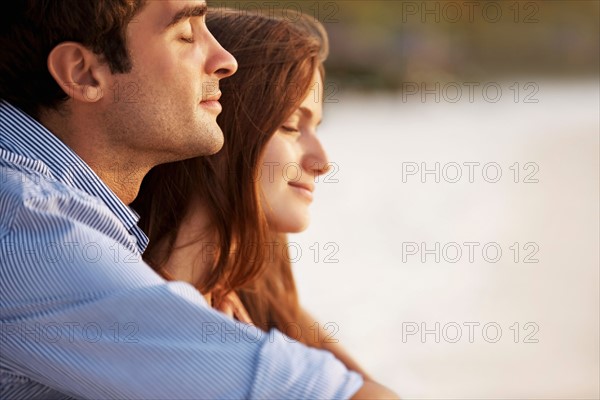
(374, 391)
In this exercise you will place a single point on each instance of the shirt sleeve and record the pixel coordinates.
(81, 313)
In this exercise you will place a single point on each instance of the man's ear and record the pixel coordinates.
(78, 71)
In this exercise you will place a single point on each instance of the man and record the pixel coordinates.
(94, 94)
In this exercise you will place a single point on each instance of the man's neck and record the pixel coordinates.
(118, 168)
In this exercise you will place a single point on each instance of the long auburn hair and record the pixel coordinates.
(277, 58)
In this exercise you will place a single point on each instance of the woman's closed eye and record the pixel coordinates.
(290, 129)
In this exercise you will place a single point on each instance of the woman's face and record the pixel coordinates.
(292, 160)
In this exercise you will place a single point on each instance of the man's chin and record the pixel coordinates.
(214, 142)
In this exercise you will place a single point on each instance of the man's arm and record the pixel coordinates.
(323, 340)
(370, 389)
(374, 391)
(84, 316)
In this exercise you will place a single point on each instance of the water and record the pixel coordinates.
(546, 312)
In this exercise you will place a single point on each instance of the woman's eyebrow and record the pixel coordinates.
(187, 12)
(309, 114)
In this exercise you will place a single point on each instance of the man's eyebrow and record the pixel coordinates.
(187, 12)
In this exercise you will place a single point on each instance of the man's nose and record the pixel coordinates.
(220, 62)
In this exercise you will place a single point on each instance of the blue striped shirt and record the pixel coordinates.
(82, 316)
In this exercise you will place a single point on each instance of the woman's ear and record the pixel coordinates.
(78, 71)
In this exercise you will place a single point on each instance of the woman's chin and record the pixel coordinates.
(291, 225)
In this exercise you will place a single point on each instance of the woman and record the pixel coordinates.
(219, 222)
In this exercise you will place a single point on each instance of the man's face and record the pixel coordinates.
(165, 107)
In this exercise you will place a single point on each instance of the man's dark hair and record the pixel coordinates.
(30, 29)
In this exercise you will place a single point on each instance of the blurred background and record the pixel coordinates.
(454, 248)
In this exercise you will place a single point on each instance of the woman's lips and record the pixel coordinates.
(304, 190)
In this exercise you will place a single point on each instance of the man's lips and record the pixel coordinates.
(212, 102)
(214, 97)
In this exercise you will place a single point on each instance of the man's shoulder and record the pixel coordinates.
(29, 193)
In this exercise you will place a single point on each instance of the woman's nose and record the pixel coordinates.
(315, 159)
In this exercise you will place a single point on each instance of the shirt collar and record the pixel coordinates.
(23, 135)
